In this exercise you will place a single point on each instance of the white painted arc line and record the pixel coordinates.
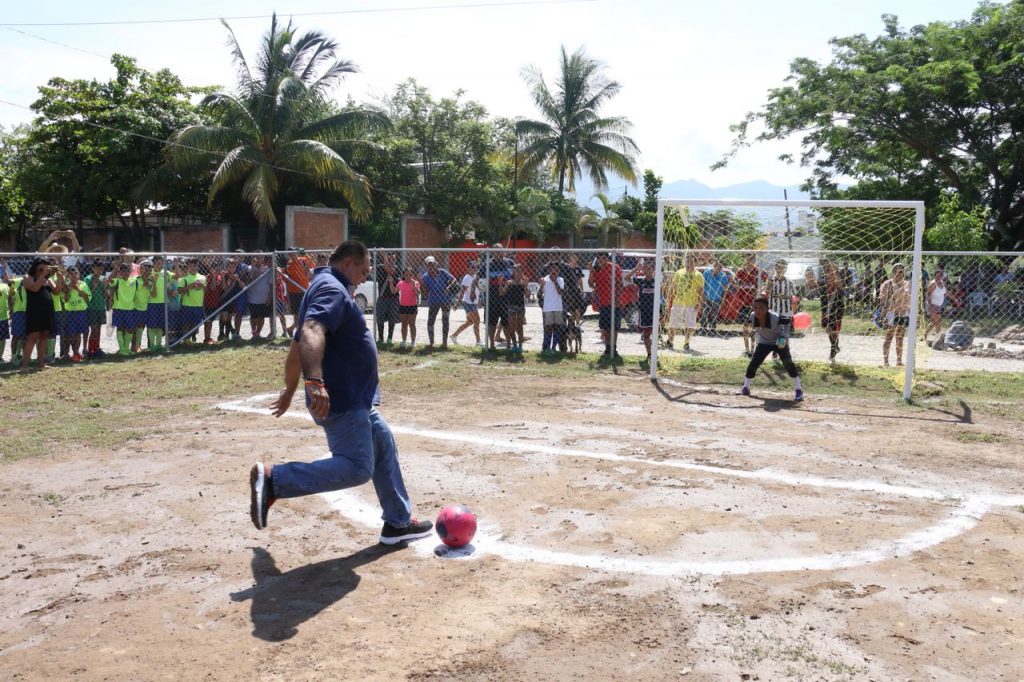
(782, 477)
(488, 543)
(963, 518)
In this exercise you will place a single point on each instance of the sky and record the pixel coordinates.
(687, 69)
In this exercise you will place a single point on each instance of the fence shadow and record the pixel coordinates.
(281, 602)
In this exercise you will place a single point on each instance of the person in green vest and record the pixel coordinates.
(75, 297)
(96, 312)
(18, 303)
(192, 287)
(155, 314)
(143, 292)
(122, 288)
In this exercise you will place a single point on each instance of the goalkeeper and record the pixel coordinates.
(771, 333)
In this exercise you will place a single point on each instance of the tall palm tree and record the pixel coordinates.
(279, 126)
(572, 135)
(610, 222)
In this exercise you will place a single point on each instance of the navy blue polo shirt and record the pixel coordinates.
(350, 354)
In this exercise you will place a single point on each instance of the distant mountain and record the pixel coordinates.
(693, 189)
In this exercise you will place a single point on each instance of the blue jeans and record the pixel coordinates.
(362, 449)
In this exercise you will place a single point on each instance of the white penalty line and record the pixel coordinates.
(965, 516)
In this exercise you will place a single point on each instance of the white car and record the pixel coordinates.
(365, 295)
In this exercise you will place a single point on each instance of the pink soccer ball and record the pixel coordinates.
(456, 525)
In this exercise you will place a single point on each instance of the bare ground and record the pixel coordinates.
(142, 563)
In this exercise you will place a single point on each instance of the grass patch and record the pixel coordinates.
(109, 404)
(979, 437)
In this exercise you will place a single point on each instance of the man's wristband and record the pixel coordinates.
(316, 381)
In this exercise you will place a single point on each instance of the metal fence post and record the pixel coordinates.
(167, 314)
(612, 332)
(273, 294)
(916, 289)
(487, 300)
(376, 293)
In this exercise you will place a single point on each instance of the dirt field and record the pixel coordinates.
(627, 532)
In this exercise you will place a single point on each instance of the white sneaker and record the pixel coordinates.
(454, 340)
(401, 345)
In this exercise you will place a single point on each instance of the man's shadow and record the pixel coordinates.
(283, 601)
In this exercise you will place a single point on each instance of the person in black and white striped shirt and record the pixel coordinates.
(781, 291)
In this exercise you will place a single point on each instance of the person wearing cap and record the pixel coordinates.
(96, 311)
(771, 332)
(894, 311)
(438, 283)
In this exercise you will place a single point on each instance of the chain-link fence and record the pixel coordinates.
(848, 305)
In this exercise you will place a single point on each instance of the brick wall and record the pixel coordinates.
(637, 240)
(562, 240)
(315, 228)
(195, 238)
(421, 232)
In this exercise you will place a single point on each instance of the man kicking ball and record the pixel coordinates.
(335, 352)
(771, 333)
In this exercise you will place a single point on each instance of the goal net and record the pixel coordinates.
(823, 263)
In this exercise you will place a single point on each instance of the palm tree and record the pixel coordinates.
(572, 136)
(605, 224)
(279, 126)
(533, 214)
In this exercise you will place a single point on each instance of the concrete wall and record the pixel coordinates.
(315, 228)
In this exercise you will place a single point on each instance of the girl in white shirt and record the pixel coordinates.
(934, 300)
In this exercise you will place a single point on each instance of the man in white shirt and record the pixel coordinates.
(552, 289)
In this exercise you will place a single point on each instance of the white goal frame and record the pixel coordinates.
(916, 284)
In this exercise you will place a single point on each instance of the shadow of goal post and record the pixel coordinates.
(813, 231)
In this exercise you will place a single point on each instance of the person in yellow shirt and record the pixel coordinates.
(155, 315)
(122, 290)
(684, 299)
(18, 304)
(74, 297)
(192, 287)
(143, 292)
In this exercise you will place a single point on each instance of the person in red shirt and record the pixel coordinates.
(750, 280)
(601, 277)
(211, 302)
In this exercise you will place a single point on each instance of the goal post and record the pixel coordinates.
(856, 243)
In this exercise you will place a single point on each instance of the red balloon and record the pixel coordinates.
(802, 321)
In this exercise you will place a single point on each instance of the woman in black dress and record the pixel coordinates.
(40, 321)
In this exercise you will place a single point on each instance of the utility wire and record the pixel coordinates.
(376, 10)
(57, 42)
(221, 155)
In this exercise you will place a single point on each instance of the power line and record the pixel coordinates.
(222, 155)
(377, 10)
(57, 42)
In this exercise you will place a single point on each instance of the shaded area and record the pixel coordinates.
(281, 602)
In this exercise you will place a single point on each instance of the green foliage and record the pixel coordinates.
(956, 229)
(278, 132)
(464, 170)
(84, 155)
(534, 214)
(572, 137)
(605, 225)
(909, 112)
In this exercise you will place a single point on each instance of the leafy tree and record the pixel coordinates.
(955, 229)
(84, 155)
(572, 135)
(464, 176)
(278, 132)
(909, 112)
(609, 223)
